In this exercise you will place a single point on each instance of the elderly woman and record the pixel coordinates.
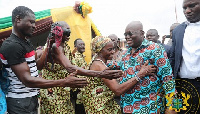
(98, 95)
(57, 67)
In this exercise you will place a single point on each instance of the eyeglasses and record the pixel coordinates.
(130, 33)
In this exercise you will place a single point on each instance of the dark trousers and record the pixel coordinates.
(191, 87)
(79, 108)
(27, 105)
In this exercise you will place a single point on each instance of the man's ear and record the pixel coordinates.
(17, 19)
(158, 36)
(142, 32)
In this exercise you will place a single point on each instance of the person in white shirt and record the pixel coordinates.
(185, 54)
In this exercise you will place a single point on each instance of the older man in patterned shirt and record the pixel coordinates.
(78, 59)
(145, 97)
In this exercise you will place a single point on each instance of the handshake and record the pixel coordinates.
(74, 82)
(71, 80)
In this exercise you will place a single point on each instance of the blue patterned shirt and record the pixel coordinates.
(3, 106)
(4, 83)
(147, 96)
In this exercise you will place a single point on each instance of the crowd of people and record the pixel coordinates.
(136, 80)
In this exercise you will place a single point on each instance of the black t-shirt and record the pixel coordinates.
(13, 51)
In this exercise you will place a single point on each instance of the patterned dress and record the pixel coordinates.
(78, 59)
(56, 100)
(98, 98)
(146, 97)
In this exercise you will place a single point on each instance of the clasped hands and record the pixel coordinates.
(58, 55)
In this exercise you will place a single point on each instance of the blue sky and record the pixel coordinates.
(112, 16)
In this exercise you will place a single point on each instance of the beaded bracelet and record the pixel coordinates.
(138, 78)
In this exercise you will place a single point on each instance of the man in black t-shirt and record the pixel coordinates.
(18, 56)
(19, 59)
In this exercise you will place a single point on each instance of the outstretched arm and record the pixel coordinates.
(40, 58)
(60, 57)
(22, 71)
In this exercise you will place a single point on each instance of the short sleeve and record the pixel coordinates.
(164, 69)
(14, 53)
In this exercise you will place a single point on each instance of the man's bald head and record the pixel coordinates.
(114, 38)
(173, 26)
(134, 34)
(135, 25)
(153, 30)
(152, 35)
(63, 24)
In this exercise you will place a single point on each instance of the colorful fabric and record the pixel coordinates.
(146, 96)
(15, 50)
(56, 100)
(4, 81)
(78, 59)
(3, 106)
(98, 98)
(84, 8)
(58, 32)
(80, 27)
(98, 43)
(68, 53)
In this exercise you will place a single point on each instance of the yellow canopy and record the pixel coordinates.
(80, 27)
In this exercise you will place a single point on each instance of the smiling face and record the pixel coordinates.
(80, 45)
(26, 25)
(134, 34)
(152, 35)
(191, 9)
(114, 38)
(107, 51)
